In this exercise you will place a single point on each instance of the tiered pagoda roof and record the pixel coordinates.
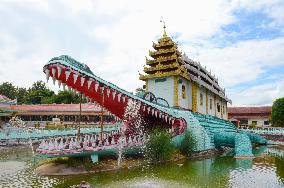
(166, 60)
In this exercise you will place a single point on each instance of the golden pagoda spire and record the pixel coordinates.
(164, 27)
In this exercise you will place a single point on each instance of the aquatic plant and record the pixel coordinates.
(159, 146)
(188, 144)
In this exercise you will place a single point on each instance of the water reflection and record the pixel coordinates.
(225, 171)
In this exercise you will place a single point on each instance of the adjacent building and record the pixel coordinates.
(89, 113)
(244, 116)
(181, 81)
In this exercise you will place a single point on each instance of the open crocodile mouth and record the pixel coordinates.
(78, 77)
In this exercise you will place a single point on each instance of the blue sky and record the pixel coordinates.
(242, 42)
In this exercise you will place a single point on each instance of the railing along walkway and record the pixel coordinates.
(266, 130)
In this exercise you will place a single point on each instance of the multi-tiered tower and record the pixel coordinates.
(181, 81)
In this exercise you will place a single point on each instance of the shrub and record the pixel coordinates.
(188, 144)
(159, 146)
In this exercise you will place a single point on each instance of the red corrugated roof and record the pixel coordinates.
(57, 107)
(248, 117)
(250, 110)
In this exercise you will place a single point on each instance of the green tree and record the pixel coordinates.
(8, 89)
(277, 116)
(66, 97)
(21, 95)
(48, 99)
(39, 85)
(37, 93)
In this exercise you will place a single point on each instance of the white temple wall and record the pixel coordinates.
(201, 100)
(184, 101)
(218, 112)
(211, 111)
(162, 87)
(225, 116)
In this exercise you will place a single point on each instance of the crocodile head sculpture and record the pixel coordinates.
(78, 76)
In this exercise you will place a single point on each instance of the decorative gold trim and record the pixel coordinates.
(162, 51)
(160, 74)
(194, 97)
(163, 43)
(161, 67)
(206, 101)
(161, 59)
(176, 91)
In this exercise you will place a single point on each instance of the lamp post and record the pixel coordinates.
(80, 113)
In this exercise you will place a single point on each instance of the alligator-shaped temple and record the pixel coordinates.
(175, 90)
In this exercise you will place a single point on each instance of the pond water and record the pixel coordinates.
(16, 170)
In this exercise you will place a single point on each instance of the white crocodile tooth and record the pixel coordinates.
(53, 72)
(102, 89)
(96, 86)
(47, 74)
(67, 74)
(153, 111)
(123, 99)
(53, 79)
(87, 99)
(75, 76)
(59, 83)
(64, 86)
(113, 94)
(144, 108)
(118, 97)
(108, 92)
(82, 81)
(156, 114)
(89, 83)
(58, 71)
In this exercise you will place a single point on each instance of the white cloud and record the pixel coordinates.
(262, 94)
(113, 37)
(244, 61)
(272, 8)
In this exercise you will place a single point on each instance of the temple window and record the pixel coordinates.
(201, 99)
(218, 107)
(183, 92)
(160, 80)
(210, 104)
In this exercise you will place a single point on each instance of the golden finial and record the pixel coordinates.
(164, 26)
